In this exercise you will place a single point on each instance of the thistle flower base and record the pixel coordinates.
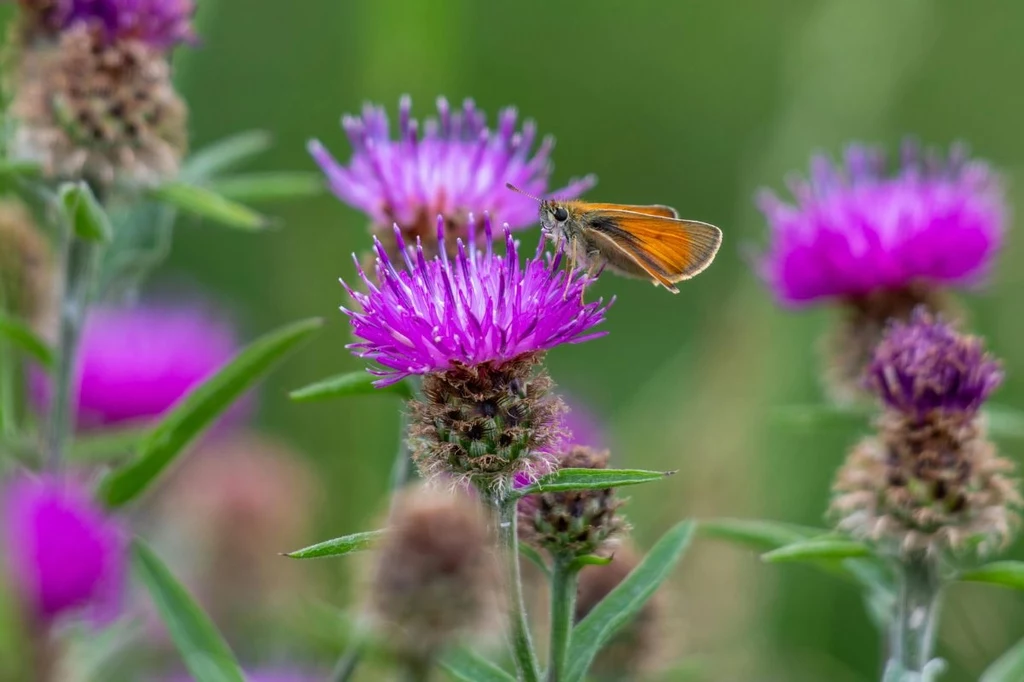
(934, 488)
(104, 112)
(486, 423)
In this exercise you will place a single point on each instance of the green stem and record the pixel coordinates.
(522, 643)
(80, 260)
(912, 636)
(349, 661)
(563, 607)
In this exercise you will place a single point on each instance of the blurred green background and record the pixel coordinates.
(694, 104)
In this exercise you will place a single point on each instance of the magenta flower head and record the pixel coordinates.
(452, 165)
(475, 326)
(135, 363)
(925, 366)
(63, 553)
(881, 243)
(161, 24)
(855, 229)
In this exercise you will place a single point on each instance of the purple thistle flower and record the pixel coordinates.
(854, 230)
(479, 307)
(161, 24)
(135, 363)
(453, 165)
(63, 553)
(925, 366)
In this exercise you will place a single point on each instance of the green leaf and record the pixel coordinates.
(227, 153)
(589, 479)
(22, 336)
(1008, 668)
(104, 446)
(1004, 421)
(346, 544)
(761, 535)
(269, 186)
(817, 549)
(13, 168)
(1003, 573)
(345, 385)
(535, 557)
(466, 666)
(624, 602)
(202, 202)
(87, 217)
(206, 654)
(199, 409)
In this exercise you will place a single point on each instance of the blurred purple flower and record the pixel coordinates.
(925, 366)
(581, 425)
(854, 229)
(135, 363)
(479, 307)
(161, 24)
(62, 551)
(453, 165)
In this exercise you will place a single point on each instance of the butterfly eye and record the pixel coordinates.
(560, 214)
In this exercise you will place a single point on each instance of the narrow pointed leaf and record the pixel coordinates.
(225, 154)
(204, 203)
(345, 385)
(761, 535)
(1003, 573)
(466, 666)
(206, 654)
(590, 479)
(1008, 668)
(624, 602)
(254, 187)
(22, 337)
(817, 549)
(88, 219)
(346, 544)
(197, 410)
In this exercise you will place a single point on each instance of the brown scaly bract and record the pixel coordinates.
(105, 112)
(576, 522)
(485, 423)
(434, 578)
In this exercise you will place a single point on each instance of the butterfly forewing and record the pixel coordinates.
(668, 249)
(657, 210)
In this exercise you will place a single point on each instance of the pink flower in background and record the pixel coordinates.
(159, 23)
(135, 363)
(453, 165)
(854, 228)
(63, 553)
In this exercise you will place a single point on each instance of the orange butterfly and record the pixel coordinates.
(649, 242)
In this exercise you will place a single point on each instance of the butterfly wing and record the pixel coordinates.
(657, 210)
(669, 250)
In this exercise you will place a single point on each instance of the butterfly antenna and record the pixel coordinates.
(519, 191)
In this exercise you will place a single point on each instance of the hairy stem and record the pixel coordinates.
(80, 260)
(563, 607)
(912, 636)
(522, 644)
